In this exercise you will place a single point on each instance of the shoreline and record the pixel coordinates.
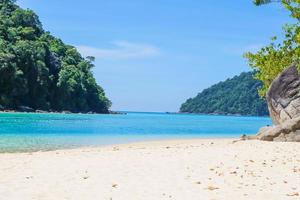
(62, 112)
(173, 169)
(137, 143)
(126, 112)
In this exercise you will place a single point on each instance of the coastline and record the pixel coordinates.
(166, 169)
(126, 112)
(125, 143)
(62, 112)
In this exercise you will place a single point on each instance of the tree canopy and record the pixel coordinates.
(291, 5)
(40, 71)
(272, 59)
(233, 96)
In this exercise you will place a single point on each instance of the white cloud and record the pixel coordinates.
(120, 50)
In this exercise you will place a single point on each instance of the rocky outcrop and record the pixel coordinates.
(283, 100)
(289, 131)
(25, 109)
(283, 97)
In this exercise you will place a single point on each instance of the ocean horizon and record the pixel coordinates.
(24, 132)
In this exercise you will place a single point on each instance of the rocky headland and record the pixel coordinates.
(283, 100)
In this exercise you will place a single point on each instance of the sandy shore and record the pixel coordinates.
(183, 169)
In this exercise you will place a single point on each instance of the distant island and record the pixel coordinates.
(236, 96)
(39, 71)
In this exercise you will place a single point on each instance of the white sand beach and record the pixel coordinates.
(182, 169)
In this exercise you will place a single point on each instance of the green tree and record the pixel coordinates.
(233, 96)
(271, 60)
(291, 5)
(40, 71)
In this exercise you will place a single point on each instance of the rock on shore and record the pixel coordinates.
(283, 100)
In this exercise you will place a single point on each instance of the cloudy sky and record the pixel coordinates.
(152, 55)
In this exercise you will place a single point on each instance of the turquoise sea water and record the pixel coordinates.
(34, 132)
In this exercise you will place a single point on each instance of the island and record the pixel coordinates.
(39, 71)
(235, 96)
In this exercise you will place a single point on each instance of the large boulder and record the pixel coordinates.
(283, 97)
(283, 100)
(289, 131)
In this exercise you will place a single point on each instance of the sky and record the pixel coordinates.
(152, 55)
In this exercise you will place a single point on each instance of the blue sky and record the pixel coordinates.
(152, 55)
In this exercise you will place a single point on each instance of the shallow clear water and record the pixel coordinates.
(33, 132)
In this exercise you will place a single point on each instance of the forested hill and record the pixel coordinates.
(39, 71)
(238, 95)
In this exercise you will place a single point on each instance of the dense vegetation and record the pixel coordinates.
(233, 96)
(278, 55)
(40, 71)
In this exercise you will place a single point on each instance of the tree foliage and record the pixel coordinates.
(271, 60)
(291, 5)
(233, 96)
(40, 71)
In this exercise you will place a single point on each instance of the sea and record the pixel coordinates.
(27, 132)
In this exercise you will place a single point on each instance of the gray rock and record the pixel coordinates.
(289, 131)
(25, 109)
(41, 111)
(283, 100)
(283, 97)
